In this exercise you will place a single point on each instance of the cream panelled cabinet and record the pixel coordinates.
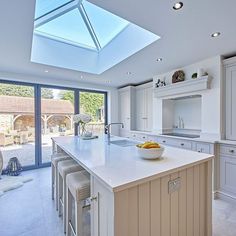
(144, 107)
(230, 83)
(126, 109)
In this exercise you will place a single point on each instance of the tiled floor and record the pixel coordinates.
(29, 211)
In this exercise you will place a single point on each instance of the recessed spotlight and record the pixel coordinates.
(178, 5)
(81, 77)
(128, 73)
(216, 34)
(159, 59)
(46, 71)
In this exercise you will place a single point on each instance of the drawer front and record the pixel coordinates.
(164, 141)
(139, 137)
(228, 174)
(184, 144)
(228, 150)
(203, 147)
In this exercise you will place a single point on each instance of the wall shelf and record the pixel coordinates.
(181, 88)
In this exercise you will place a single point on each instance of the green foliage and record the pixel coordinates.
(46, 93)
(23, 91)
(16, 90)
(90, 102)
(67, 95)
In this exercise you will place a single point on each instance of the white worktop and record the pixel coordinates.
(120, 167)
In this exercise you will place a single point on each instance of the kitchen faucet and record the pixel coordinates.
(108, 129)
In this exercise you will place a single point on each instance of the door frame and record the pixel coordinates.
(37, 113)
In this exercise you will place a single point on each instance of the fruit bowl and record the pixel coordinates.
(150, 152)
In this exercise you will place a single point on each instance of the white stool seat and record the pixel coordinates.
(65, 167)
(79, 185)
(55, 158)
(77, 188)
(68, 166)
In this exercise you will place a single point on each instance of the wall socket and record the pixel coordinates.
(174, 185)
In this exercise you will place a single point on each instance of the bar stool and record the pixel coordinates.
(77, 189)
(55, 159)
(64, 168)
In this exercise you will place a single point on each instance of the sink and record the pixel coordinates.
(123, 143)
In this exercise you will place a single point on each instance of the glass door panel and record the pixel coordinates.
(57, 110)
(93, 103)
(17, 123)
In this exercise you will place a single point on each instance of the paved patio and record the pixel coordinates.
(26, 152)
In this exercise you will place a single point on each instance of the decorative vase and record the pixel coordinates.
(82, 129)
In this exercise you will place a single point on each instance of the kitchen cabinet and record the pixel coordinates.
(126, 108)
(144, 107)
(102, 211)
(230, 99)
(228, 170)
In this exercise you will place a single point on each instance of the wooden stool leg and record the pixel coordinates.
(79, 218)
(56, 186)
(68, 212)
(53, 180)
(64, 205)
(60, 193)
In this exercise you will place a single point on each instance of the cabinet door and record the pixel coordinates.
(231, 103)
(228, 174)
(102, 209)
(140, 109)
(124, 109)
(202, 147)
(149, 108)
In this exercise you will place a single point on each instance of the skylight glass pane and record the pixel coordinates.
(70, 28)
(105, 24)
(45, 6)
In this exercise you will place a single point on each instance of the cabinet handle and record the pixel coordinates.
(164, 141)
(144, 137)
(231, 151)
(93, 198)
(182, 144)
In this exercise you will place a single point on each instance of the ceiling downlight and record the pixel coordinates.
(178, 5)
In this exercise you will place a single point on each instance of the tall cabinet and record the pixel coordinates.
(228, 147)
(144, 107)
(135, 108)
(230, 83)
(126, 109)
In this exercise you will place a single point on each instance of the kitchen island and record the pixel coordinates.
(131, 196)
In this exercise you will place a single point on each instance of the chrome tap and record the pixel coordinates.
(108, 130)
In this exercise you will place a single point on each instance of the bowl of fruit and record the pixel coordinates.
(150, 150)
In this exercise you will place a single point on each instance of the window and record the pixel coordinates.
(81, 24)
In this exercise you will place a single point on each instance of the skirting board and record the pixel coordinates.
(225, 196)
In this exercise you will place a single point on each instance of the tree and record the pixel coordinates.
(46, 93)
(23, 91)
(90, 102)
(16, 90)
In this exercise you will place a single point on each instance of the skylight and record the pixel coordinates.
(78, 35)
(81, 23)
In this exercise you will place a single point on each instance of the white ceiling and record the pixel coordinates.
(185, 38)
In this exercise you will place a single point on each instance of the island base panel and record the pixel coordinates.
(150, 209)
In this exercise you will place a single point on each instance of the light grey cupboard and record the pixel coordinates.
(144, 107)
(126, 109)
(230, 98)
(228, 170)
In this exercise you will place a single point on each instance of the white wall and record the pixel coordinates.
(211, 122)
(190, 111)
(112, 92)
